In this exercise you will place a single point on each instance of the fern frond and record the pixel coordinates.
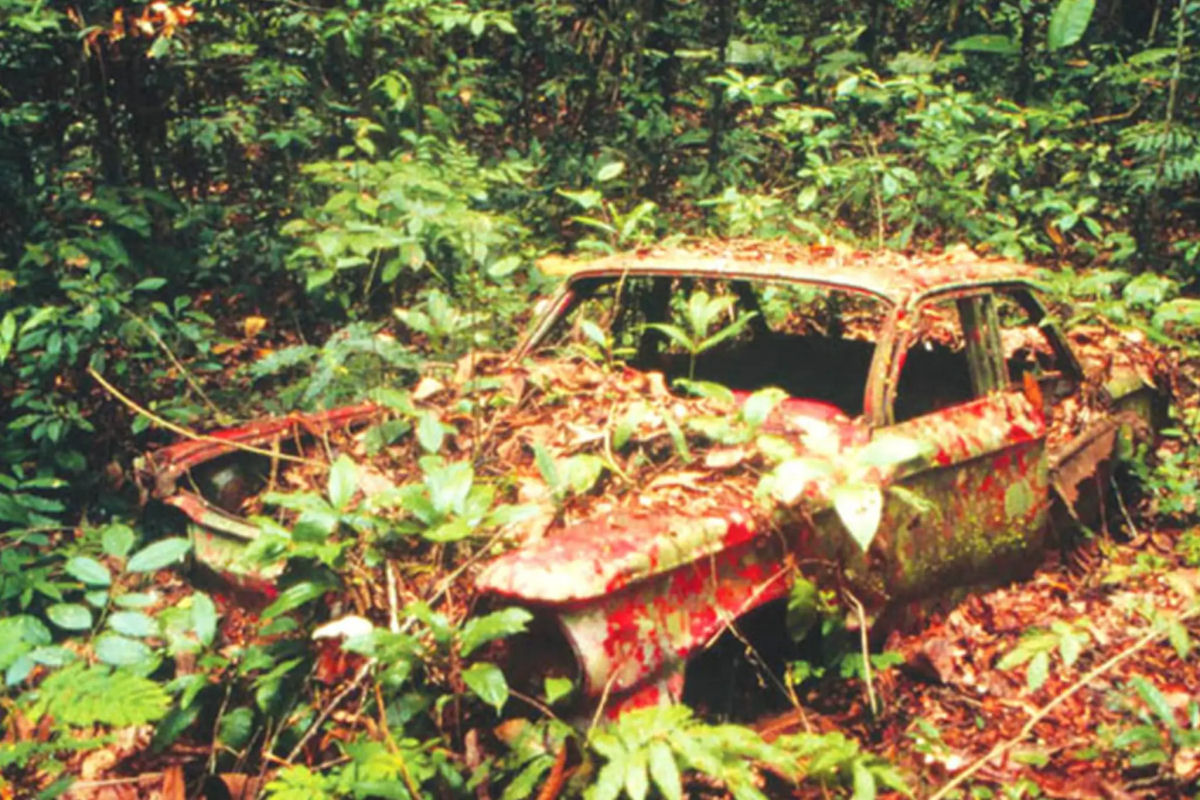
(80, 695)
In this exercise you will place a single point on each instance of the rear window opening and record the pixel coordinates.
(812, 341)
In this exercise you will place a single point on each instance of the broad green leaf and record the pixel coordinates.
(664, 771)
(557, 688)
(88, 570)
(497, 625)
(1069, 22)
(158, 555)
(455, 530)
(759, 405)
(343, 482)
(860, 508)
(117, 540)
(889, 450)
(449, 487)
(133, 623)
(1070, 645)
(581, 472)
(294, 597)
(430, 431)
(150, 284)
(70, 616)
(121, 651)
(137, 599)
(713, 391)
(236, 727)
(487, 682)
(586, 199)
(864, 781)
(987, 43)
(788, 481)
(609, 171)
(204, 618)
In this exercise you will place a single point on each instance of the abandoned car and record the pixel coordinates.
(892, 428)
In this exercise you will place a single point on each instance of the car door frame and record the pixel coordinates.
(974, 510)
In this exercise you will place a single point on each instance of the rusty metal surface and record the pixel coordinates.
(888, 275)
(165, 466)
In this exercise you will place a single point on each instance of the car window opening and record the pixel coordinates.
(812, 341)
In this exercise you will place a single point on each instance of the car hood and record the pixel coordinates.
(605, 552)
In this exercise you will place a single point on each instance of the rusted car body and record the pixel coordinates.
(953, 352)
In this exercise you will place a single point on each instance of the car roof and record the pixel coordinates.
(893, 276)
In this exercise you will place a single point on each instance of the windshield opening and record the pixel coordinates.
(813, 341)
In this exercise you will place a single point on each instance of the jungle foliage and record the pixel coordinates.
(230, 207)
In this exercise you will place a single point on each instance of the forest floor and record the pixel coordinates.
(1086, 720)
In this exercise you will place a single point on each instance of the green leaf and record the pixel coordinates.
(487, 682)
(343, 482)
(803, 607)
(497, 625)
(430, 431)
(890, 450)
(121, 651)
(158, 555)
(1069, 22)
(294, 597)
(987, 43)
(1177, 635)
(609, 781)
(1156, 702)
(664, 771)
(637, 780)
(612, 169)
(504, 267)
(133, 623)
(88, 570)
(70, 616)
(204, 618)
(546, 466)
(788, 481)
(557, 688)
(759, 405)
(117, 540)
(1038, 671)
(860, 508)
(449, 487)
(581, 472)
(150, 284)
(864, 781)
(1070, 645)
(236, 727)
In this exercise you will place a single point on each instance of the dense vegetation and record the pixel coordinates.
(227, 208)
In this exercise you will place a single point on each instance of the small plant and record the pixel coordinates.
(1036, 648)
(655, 746)
(1158, 734)
(701, 313)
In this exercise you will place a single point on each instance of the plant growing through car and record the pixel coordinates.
(701, 313)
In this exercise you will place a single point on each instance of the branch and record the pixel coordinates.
(1003, 747)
